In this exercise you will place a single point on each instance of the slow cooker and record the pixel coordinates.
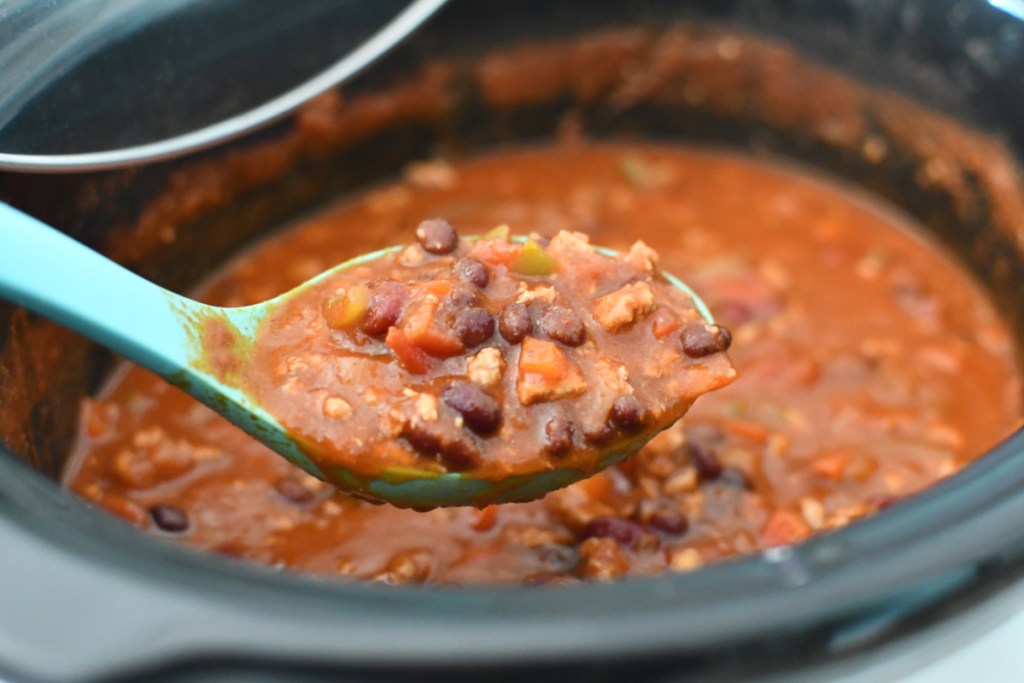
(84, 597)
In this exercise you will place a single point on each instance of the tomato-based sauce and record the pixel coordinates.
(869, 366)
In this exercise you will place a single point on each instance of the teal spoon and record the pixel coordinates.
(51, 274)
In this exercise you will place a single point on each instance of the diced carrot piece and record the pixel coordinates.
(745, 429)
(596, 487)
(831, 464)
(543, 358)
(422, 330)
(663, 324)
(546, 373)
(784, 527)
(438, 288)
(410, 356)
(486, 518)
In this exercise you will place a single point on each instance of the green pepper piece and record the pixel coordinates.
(533, 260)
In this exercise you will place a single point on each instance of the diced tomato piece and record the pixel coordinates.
(496, 252)
(421, 327)
(409, 355)
(784, 527)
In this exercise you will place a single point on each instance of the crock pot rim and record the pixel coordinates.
(935, 539)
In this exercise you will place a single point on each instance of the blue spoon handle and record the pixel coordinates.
(51, 274)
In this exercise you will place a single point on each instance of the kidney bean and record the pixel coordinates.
(437, 236)
(384, 308)
(563, 325)
(621, 530)
(514, 322)
(669, 521)
(457, 454)
(627, 412)
(293, 491)
(169, 518)
(704, 460)
(473, 326)
(703, 340)
(479, 411)
(472, 271)
(558, 435)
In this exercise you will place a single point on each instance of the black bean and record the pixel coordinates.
(473, 326)
(384, 308)
(622, 530)
(627, 412)
(563, 325)
(169, 518)
(598, 435)
(704, 340)
(437, 236)
(558, 435)
(472, 271)
(514, 322)
(704, 460)
(461, 297)
(457, 454)
(669, 521)
(293, 491)
(479, 411)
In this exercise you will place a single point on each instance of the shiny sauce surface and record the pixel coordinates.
(870, 366)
